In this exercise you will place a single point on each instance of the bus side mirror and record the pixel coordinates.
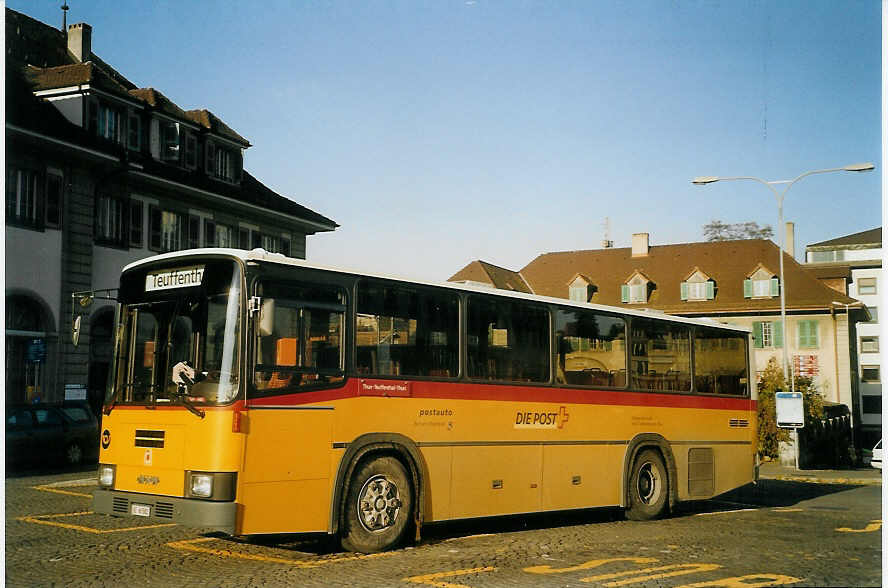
(75, 330)
(266, 318)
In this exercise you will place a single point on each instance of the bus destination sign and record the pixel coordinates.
(182, 277)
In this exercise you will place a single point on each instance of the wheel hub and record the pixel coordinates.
(648, 484)
(379, 504)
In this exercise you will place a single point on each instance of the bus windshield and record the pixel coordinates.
(190, 330)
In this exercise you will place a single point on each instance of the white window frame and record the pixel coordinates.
(637, 293)
(767, 334)
(697, 290)
(868, 283)
(873, 340)
(761, 288)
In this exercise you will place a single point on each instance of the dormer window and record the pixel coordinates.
(762, 283)
(635, 290)
(698, 286)
(134, 134)
(223, 163)
(169, 141)
(580, 288)
(104, 121)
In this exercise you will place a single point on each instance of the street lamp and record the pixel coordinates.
(704, 180)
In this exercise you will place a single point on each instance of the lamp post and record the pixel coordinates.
(704, 180)
(855, 417)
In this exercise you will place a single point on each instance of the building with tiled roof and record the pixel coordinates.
(483, 273)
(735, 282)
(853, 264)
(101, 172)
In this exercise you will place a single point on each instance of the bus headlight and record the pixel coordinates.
(221, 486)
(106, 475)
(201, 485)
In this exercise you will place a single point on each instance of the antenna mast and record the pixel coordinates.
(606, 243)
(64, 17)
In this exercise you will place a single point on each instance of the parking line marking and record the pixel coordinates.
(189, 545)
(720, 512)
(545, 569)
(741, 581)
(430, 579)
(680, 570)
(57, 491)
(789, 510)
(69, 483)
(873, 526)
(42, 520)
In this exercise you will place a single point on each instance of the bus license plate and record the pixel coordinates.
(140, 510)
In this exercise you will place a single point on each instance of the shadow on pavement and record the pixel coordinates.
(766, 493)
(50, 470)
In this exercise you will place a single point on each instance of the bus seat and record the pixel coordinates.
(286, 353)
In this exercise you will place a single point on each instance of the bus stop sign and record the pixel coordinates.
(790, 410)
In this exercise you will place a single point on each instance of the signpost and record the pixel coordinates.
(791, 415)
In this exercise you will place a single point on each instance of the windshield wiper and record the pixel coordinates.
(183, 396)
(185, 376)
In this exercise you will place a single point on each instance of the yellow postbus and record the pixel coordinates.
(257, 394)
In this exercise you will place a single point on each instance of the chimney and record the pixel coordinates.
(640, 244)
(80, 41)
(789, 244)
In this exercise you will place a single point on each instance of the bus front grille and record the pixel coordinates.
(163, 510)
(120, 505)
(146, 438)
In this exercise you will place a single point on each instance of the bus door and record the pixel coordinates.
(298, 347)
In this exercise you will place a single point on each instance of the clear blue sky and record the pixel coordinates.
(438, 132)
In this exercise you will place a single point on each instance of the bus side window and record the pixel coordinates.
(299, 341)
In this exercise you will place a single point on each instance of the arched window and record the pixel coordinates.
(26, 349)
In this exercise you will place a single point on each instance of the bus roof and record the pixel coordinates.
(263, 256)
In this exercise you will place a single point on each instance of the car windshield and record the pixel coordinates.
(187, 329)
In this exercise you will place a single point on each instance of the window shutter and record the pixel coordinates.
(624, 293)
(808, 334)
(193, 232)
(775, 287)
(154, 138)
(757, 335)
(747, 288)
(209, 233)
(710, 290)
(93, 115)
(238, 164)
(684, 290)
(777, 329)
(210, 159)
(154, 222)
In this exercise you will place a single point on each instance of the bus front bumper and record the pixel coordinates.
(219, 516)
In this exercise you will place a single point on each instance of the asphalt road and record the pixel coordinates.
(775, 533)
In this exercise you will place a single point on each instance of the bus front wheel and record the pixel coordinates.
(378, 506)
(648, 487)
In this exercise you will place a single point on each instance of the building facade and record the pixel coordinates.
(100, 173)
(857, 259)
(736, 282)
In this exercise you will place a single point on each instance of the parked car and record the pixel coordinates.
(876, 460)
(38, 434)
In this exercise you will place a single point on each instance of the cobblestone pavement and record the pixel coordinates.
(778, 532)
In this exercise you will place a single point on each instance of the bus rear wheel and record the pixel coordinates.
(648, 487)
(378, 507)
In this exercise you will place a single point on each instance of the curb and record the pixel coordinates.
(840, 481)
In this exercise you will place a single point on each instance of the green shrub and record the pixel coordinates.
(770, 382)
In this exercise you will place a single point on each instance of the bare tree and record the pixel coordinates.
(718, 231)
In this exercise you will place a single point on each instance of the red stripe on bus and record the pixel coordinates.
(493, 392)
